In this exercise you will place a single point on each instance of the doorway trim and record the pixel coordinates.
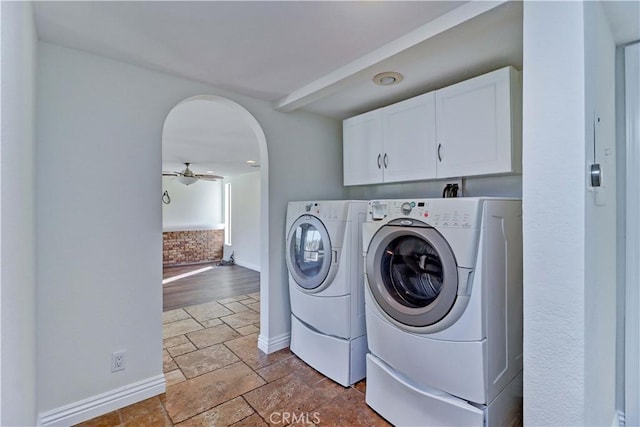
(632, 269)
(264, 197)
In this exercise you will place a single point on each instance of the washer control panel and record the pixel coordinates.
(449, 212)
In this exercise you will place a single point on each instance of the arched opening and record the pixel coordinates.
(214, 135)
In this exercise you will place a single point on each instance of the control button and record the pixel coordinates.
(413, 204)
(426, 214)
(406, 208)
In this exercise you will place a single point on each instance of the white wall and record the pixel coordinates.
(99, 231)
(245, 214)
(17, 217)
(569, 240)
(305, 162)
(100, 262)
(197, 206)
(498, 186)
(553, 193)
(600, 221)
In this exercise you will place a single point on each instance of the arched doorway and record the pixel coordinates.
(215, 131)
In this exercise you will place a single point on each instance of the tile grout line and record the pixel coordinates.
(255, 410)
(244, 348)
(251, 406)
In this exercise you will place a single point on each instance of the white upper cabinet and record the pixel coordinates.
(391, 144)
(408, 135)
(470, 128)
(362, 148)
(478, 124)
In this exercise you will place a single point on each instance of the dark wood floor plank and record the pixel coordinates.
(216, 283)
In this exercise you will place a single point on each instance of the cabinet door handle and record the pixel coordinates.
(386, 160)
(379, 158)
(439, 152)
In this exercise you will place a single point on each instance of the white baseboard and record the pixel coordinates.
(104, 403)
(249, 265)
(270, 345)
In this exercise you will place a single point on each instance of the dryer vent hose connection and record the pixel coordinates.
(450, 190)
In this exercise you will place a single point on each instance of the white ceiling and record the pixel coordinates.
(264, 49)
(314, 55)
(210, 136)
(624, 20)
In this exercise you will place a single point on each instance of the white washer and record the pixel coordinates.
(443, 298)
(324, 258)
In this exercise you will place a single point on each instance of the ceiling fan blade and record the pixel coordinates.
(188, 173)
(208, 177)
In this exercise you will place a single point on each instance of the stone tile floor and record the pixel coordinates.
(216, 376)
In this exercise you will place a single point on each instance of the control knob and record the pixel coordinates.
(406, 208)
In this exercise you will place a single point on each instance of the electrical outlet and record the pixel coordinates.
(118, 360)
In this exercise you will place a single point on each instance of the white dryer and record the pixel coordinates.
(443, 300)
(324, 259)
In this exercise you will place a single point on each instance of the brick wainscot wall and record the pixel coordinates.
(191, 247)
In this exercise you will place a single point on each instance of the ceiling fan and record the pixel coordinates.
(188, 177)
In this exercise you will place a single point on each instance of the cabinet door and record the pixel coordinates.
(476, 133)
(362, 149)
(409, 133)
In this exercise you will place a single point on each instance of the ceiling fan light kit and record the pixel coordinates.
(186, 180)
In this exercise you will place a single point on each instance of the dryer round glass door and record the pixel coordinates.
(412, 274)
(308, 252)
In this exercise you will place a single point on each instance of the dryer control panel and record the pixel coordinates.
(449, 212)
(328, 210)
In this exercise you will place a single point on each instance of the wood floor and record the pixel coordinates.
(217, 282)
